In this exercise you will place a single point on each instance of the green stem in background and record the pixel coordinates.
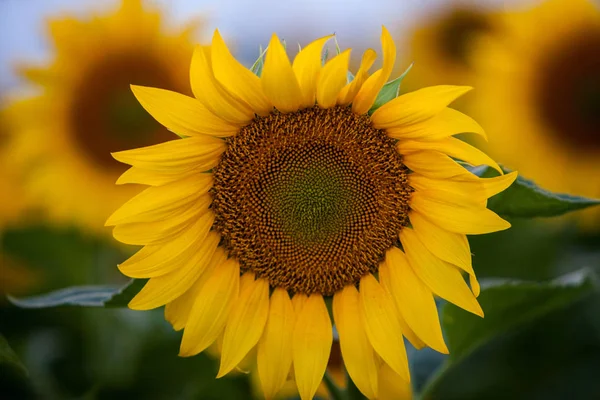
(334, 391)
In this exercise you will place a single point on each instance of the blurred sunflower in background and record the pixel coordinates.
(294, 188)
(539, 94)
(441, 46)
(86, 109)
(13, 205)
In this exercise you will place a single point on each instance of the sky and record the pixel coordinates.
(247, 23)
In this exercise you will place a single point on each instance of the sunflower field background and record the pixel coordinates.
(66, 104)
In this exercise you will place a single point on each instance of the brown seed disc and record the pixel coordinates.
(458, 30)
(310, 200)
(568, 90)
(105, 116)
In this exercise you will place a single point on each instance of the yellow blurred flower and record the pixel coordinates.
(285, 190)
(64, 136)
(441, 46)
(13, 201)
(538, 94)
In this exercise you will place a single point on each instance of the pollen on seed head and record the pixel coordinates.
(310, 200)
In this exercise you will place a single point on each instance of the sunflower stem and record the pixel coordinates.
(334, 391)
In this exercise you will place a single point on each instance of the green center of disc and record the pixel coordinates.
(311, 201)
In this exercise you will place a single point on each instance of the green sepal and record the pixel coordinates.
(524, 199)
(325, 56)
(389, 91)
(257, 67)
(350, 77)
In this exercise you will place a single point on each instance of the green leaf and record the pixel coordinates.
(8, 358)
(527, 200)
(508, 303)
(259, 63)
(389, 91)
(522, 347)
(126, 293)
(85, 296)
(14, 377)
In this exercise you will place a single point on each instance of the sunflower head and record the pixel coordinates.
(445, 41)
(544, 72)
(292, 187)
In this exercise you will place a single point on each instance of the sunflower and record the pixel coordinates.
(443, 43)
(86, 109)
(544, 74)
(290, 201)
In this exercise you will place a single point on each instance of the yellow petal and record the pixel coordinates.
(413, 298)
(236, 78)
(212, 94)
(156, 203)
(155, 260)
(278, 79)
(182, 114)
(211, 309)
(312, 341)
(349, 91)
(392, 386)
(199, 152)
(449, 246)
(407, 332)
(332, 79)
(414, 107)
(357, 352)
(274, 352)
(478, 189)
(370, 89)
(307, 67)
(298, 302)
(153, 178)
(453, 147)
(381, 324)
(475, 288)
(245, 324)
(178, 310)
(442, 278)
(166, 288)
(468, 219)
(447, 123)
(450, 190)
(152, 233)
(436, 165)
(497, 184)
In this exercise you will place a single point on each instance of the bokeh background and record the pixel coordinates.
(65, 104)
